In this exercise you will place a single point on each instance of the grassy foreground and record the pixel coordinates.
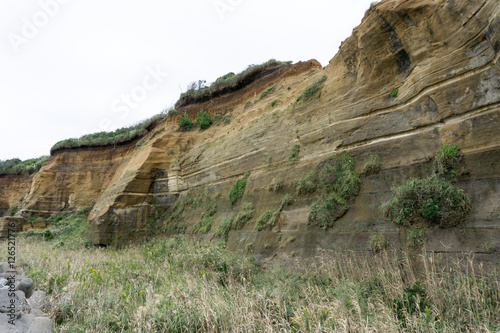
(181, 285)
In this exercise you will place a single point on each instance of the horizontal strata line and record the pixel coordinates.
(492, 108)
(415, 98)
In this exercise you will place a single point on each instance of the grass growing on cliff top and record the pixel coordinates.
(16, 166)
(228, 82)
(122, 135)
(181, 285)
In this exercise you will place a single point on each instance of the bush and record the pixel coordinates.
(237, 190)
(312, 89)
(447, 159)
(431, 199)
(203, 119)
(378, 244)
(308, 184)
(339, 184)
(185, 123)
(120, 136)
(372, 164)
(16, 166)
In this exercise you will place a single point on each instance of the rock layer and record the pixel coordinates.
(438, 58)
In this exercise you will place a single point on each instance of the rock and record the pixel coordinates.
(10, 223)
(40, 325)
(4, 267)
(27, 286)
(3, 282)
(37, 303)
(7, 300)
(20, 294)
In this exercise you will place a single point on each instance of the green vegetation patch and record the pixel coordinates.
(277, 185)
(294, 154)
(267, 220)
(307, 184)
(16, 166)
(378, 244)
(185, 123)
(245, 215)
(237, 190)
(311, 90)
(339, 184)
(372, 164)
(268, 91)
(447, 160)
(120, 136)
(203, 120)
(394, 92)
(432, 200)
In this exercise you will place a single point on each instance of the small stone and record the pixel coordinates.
(20, 294)
(40, 325)
(26, 285)
(3, 282)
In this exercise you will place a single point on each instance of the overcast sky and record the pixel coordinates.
(71, 67)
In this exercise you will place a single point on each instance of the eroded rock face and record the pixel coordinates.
(413, 76)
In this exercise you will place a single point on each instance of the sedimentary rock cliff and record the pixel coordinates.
(413, 76)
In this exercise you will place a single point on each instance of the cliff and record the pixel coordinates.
(414, 75)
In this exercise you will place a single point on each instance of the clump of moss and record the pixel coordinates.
(339, 183)
(237, 190)
(432, 200)
(312, 89)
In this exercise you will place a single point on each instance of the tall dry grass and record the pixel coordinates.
(180, 285)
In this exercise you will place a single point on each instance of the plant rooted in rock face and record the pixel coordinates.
(185, 123)
(432, 200)
(311, 90)
(237, 190)
(372, 164)
(447, 160)
(339, 183)
(203, 119)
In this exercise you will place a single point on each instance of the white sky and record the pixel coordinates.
(66, 64)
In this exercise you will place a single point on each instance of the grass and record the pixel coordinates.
(372, 164)
(394, 92)
(245, 215)
(311, 90)
(267, 220)
(431, 200)
(237, 190)
(307, 184)
(27, 167)
(180, 285)
(378, 244)
(294, 154)
(229, 82)
(120, 136)
(446, 160)
(268, 91)
(277, 186)
(339, 184)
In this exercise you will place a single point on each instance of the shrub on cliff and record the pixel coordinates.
(312, 89)
(203, 119)
(185, 123)
(432, 200)
(237, 190)
(446, 160)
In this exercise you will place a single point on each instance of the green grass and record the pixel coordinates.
(237, 190)
(372, 164)
(229, 82)
(277, 185)
(294, 154)
(307, 184)
(339, 184)
(181, 285)
(120, 136)
(378, 244)
(394, 92)
(203, 120)
(431, 200)
(245, 215)
(446, 160)
(185, 124)
(311, 90)
(267, 220)
(268, 91)
(16, 166)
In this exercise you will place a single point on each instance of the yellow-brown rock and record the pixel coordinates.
(441, 56)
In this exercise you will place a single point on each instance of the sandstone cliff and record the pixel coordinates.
(413, 76)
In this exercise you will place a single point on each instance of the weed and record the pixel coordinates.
(372, 164)
(378, 244)
(203, 119)
(273, 103)
(294, 154)
(312, 89)
(170, 152)
(432, 199)
(237, 190)
(394, 92)
(248, 103)
(267, 220)
(243, 216)
(446, 160)
(277, 186)
(225, 227)
(185, 123)
(308, 184)
(267, 91)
